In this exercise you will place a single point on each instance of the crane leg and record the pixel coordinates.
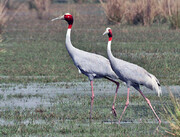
(149, 103)
(127, 103)
(92, 100)
(113, 106)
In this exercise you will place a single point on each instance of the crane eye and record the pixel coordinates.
(66, 16)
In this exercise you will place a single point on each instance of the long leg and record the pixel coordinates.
(149, 103)
(92, 99)
(113, 108)
(127, 103)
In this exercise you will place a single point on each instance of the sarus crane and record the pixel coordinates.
(133, 75)
(89, 64)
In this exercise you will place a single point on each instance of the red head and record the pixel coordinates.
(68, 17)
(109, 32)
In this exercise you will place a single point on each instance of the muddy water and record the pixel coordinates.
(38, 94)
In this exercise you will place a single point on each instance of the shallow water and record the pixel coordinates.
(38, 94)
(32, 97)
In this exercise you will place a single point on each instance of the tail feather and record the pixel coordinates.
(156, 85)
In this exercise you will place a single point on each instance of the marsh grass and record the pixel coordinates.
(20, 96)
(133, 12)
(172, 114)
(145, 12)
(68, 115)
(34, 50)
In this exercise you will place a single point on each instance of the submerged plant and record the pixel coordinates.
(172, 114)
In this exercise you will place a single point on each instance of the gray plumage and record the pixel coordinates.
(90, 64)
(132, 74)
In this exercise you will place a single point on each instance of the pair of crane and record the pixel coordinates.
(97, 66)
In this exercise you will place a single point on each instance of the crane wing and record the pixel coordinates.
(93, 64)
(131, 72)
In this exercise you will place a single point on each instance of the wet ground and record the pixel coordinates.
(38, 94)
(63, 109)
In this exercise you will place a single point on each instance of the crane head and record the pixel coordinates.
(109, 32)
(67, 16)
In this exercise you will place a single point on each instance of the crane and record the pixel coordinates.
(133, 75)
(89, 64)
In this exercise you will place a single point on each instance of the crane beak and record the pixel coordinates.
(105, 32)
(58, 18)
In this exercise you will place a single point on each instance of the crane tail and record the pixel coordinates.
(156, 85)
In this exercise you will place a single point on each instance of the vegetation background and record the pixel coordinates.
(34, 46)
(32, 50)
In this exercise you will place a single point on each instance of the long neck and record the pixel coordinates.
(70, 48)
(110, 55)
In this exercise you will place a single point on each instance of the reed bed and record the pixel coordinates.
(5, 17)
(41, 7)
(145, 12)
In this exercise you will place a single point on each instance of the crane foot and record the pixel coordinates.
(114, 112)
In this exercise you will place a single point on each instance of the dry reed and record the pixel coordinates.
(114, 10)
(41, 7)
(5, 16)
(86, 1)
(175, 16)
(139, 11)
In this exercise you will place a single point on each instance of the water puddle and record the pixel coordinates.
(38, 94)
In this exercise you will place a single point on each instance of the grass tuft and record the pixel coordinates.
(172, 114)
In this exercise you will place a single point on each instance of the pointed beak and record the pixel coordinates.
(58, 18)
(105, 32)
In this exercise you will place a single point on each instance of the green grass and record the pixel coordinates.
(172, 114)
(48, 56)
(20, 95)
(37, 48)
(69, 116)
(78, 129)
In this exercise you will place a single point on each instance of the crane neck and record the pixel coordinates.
(110, 38)
(110, 55)
(70, 48)
(69, 26)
